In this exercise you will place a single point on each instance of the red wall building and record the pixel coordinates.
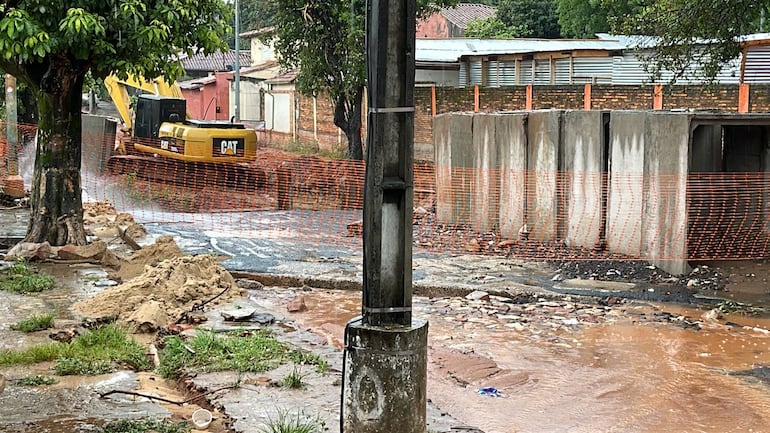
(208, 98)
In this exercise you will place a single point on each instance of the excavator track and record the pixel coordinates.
(232, 177)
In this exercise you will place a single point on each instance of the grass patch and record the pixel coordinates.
(313, 149)
(254, 351)
(23, 278)
(145, 426)
(97, 351)
(295, 379)
(293, 422)
(34, 323)
(37, 380)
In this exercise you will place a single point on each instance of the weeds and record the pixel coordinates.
(309, 358)
(254, 351)
(144, 426)
(296, 422)
(34, 323)
(96, 351)
(22, 278)
(295, 379)
(37, 380)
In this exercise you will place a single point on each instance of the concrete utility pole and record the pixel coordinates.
(237, 72)
(13, 184)
(385, 367)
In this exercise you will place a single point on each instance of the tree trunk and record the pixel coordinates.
(56, 203)
(347, 116)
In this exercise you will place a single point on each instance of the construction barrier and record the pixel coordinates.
(528, 214)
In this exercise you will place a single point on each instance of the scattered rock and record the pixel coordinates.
(478, 295)
(711, 315)
(64, 335)
(238, 315)
(473, 246)
(92, 252)
(29, 251)
(249, 284)
(297, 305)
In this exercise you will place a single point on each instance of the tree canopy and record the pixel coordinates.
(586, 18)
(706, 32)
(538, 17)
(52, 44)
(325, 39)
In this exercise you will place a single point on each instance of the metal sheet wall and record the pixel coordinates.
(757, 64)
(525, 76)
(492, 74)
(596, 70)
(562, 73)
(542, 71)
(475, 72)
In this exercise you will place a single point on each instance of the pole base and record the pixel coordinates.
(385, 378)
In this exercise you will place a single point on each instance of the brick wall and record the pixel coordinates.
(603, 97)
(608, 97)
(557, 97)
(759, 98)
(502, 98)
(723, 98)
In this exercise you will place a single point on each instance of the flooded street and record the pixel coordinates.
(631, 372)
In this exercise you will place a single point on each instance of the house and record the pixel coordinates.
(452, 22)
(201, 65)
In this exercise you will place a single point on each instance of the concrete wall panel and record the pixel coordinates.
(453, 144)
(626, 177)
(664, 229)
(484, 176)
(511, 139)
(582, 163)
(543, 135)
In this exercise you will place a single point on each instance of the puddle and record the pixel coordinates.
(72, 405)
(627, 374)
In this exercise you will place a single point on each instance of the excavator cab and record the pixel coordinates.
(151, 111)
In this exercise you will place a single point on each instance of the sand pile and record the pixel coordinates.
(162, 294)
(151, 255)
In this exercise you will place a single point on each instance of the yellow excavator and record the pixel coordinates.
(160, 141)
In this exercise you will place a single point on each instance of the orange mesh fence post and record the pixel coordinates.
(587, 97)
(743, 98)
(657, 97)
(528, 103)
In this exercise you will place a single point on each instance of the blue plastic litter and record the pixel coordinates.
(493, 392)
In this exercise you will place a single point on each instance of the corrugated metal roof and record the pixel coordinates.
(450, 50)
(217, 62)
(464, 13)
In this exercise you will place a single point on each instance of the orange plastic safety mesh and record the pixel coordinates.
(514, 213)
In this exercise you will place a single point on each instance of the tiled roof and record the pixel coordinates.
(464, 13)
(286, 77)
(217, 62)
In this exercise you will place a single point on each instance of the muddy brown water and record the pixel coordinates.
(624, 375)
(621, 374)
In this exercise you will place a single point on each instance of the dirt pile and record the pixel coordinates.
(149, 256)
(164, 293)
